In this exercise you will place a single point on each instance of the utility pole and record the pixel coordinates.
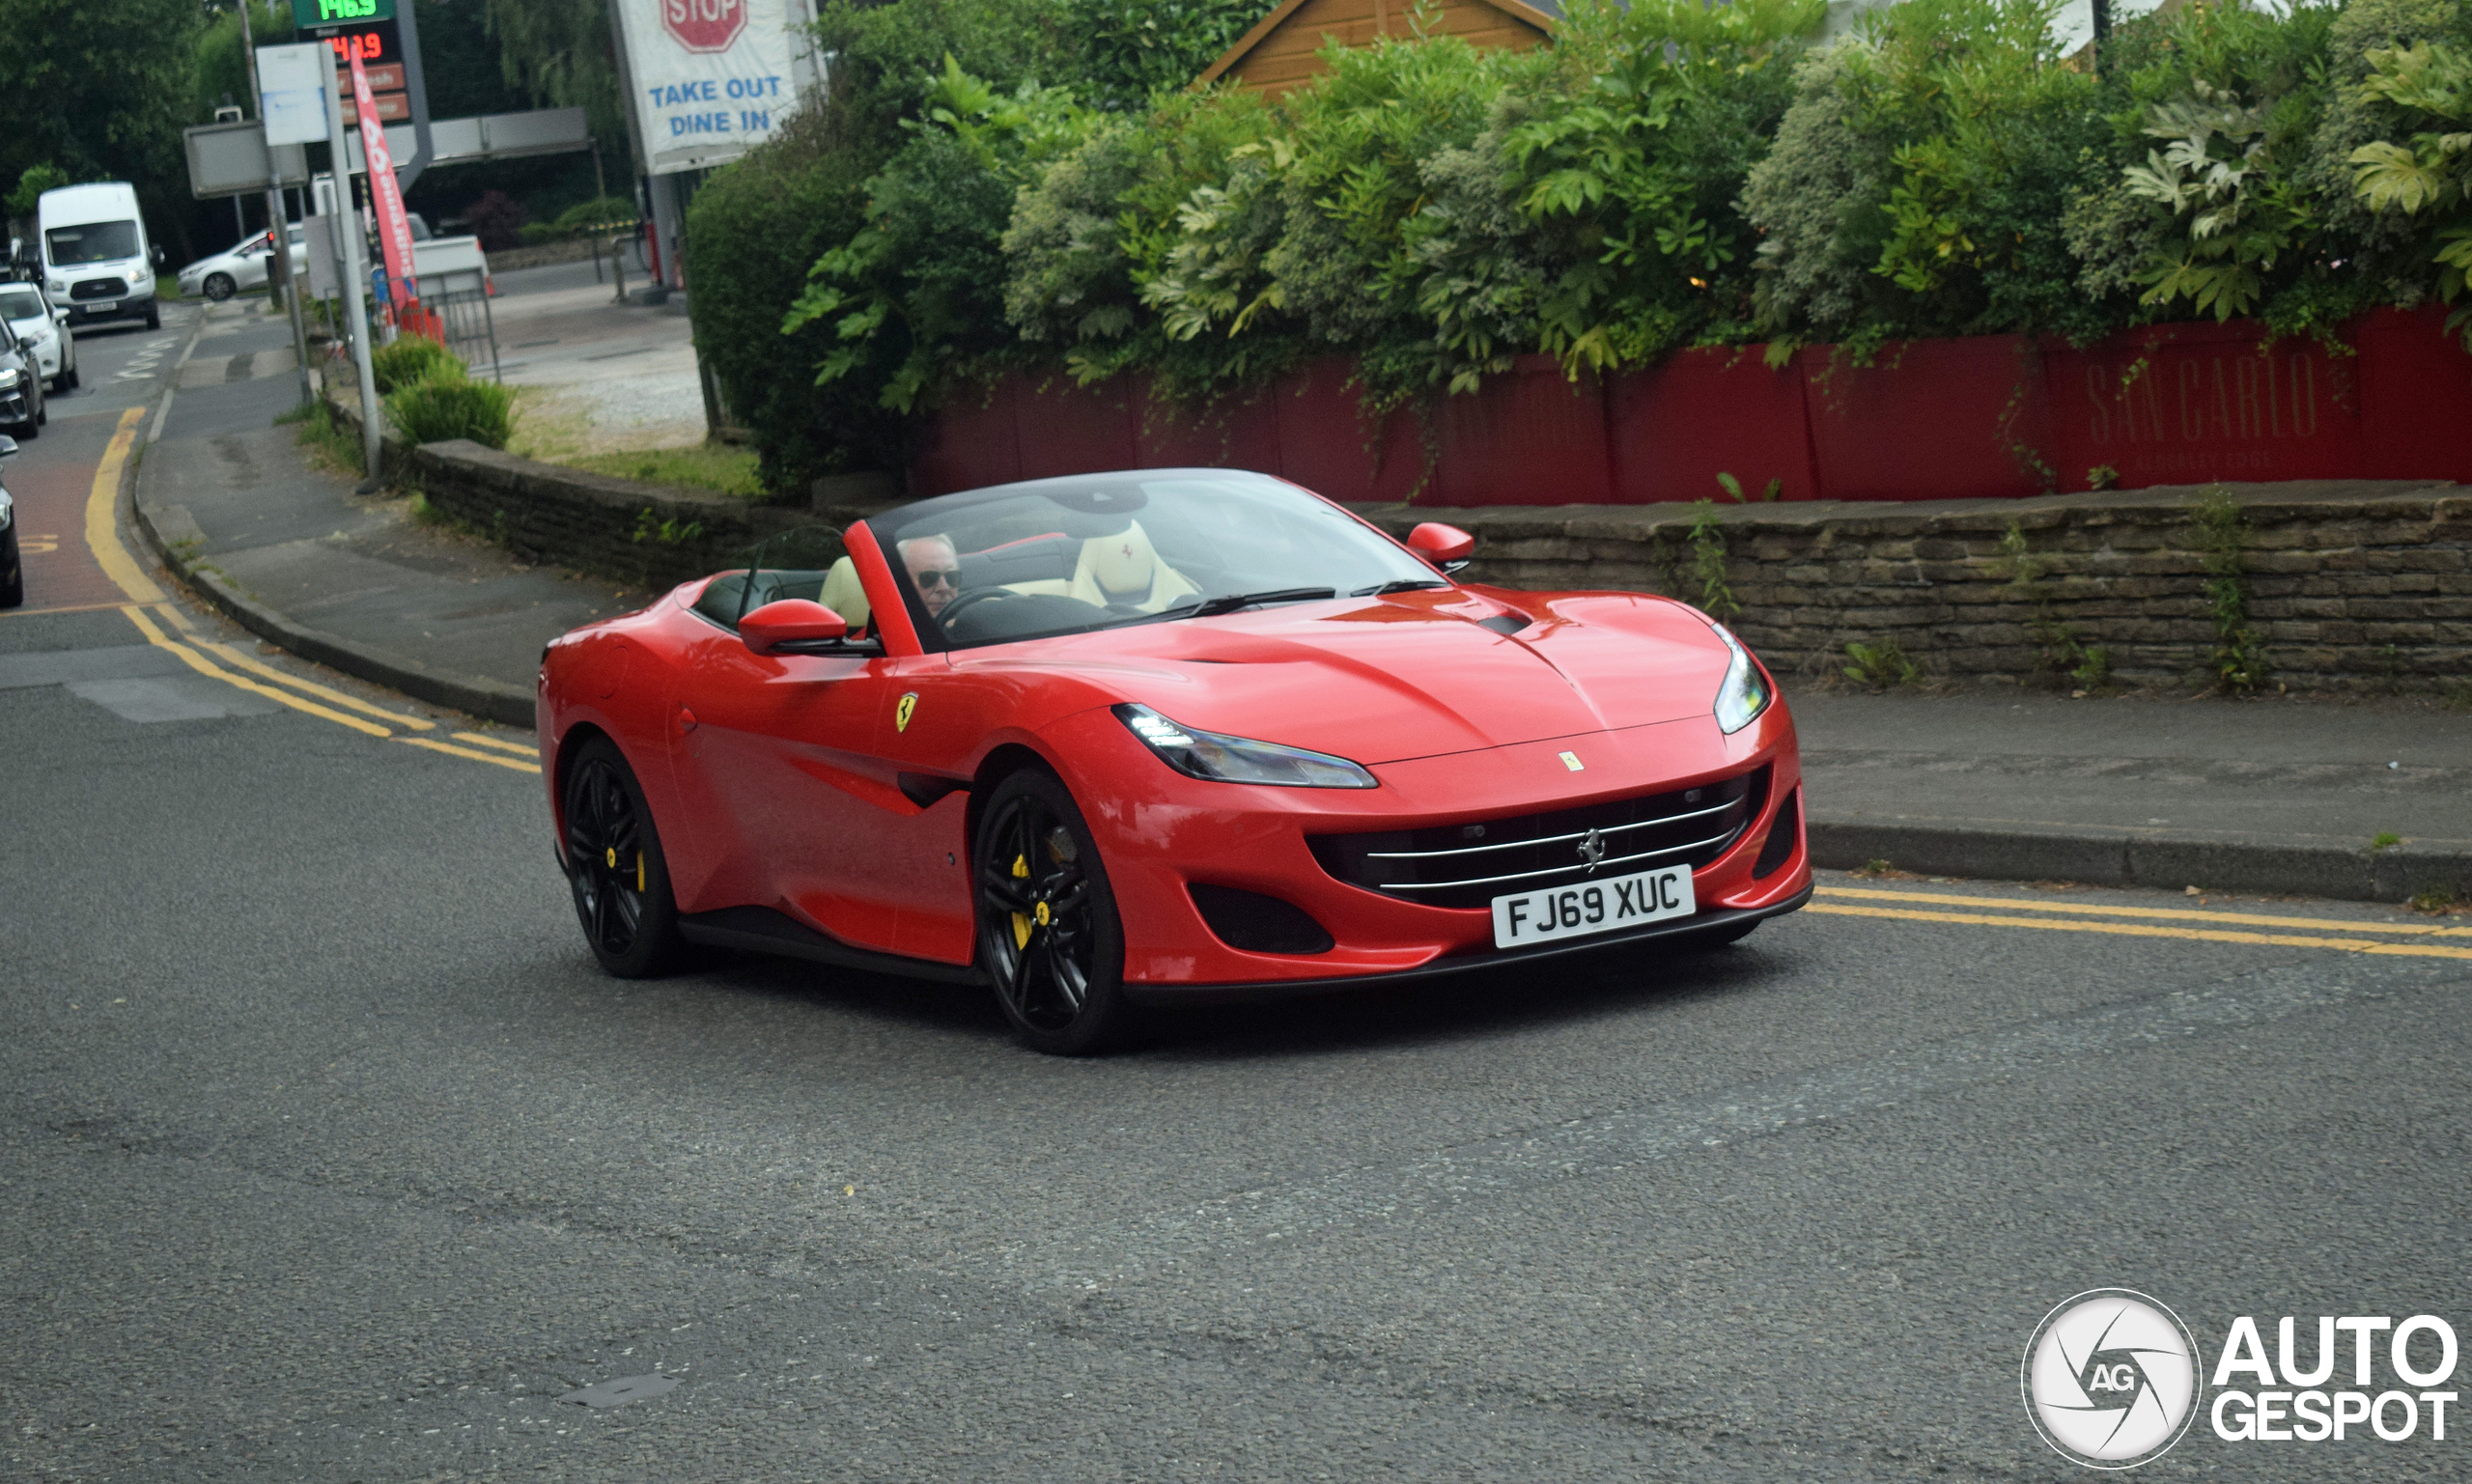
(278, 228)
(355, 276)
(2102, 16)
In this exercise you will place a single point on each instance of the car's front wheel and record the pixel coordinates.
(1047, 931)
(615, 865)
(13, 572)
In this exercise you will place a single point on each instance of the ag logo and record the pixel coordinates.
(901, 710)
(703, 25)
(2110, 1379)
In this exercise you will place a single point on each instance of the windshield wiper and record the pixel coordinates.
(1403, 585)
(1212, 608)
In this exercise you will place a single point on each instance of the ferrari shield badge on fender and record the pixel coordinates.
(902, 708)
(1571, 761)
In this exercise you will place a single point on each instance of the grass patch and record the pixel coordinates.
(726, 468)
(2384, 840)
(330, 444)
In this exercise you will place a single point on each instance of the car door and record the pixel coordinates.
(775, 757)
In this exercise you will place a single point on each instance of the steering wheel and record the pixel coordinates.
(968, 599)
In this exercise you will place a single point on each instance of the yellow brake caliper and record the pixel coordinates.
(1021, 921)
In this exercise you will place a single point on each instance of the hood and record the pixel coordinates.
(1409, 676)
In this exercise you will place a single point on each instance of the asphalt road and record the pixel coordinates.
(326, 1154)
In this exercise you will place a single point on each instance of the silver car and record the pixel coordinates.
(242, 265)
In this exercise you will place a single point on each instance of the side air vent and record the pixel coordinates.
(1253, 923)
(1782, 835)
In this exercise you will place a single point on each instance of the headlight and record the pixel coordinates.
(1198, 754)
(10, 377)
(1744, 695)
(57, 287)
(139, 276)
(7, 510)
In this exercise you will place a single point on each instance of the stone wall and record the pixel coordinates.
(651, 535)
(2353, 586)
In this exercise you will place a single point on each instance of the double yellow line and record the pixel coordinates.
(2422, 940)
(168, 629)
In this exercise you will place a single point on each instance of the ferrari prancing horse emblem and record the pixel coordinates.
(901, 710)
(1592, 849)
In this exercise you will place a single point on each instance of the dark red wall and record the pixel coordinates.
(1996, 416)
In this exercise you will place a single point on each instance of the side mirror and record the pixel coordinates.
(1446, 547)
(790, 621)
(156, 253)
(8, 446)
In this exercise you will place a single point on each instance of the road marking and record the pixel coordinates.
(2182, 914)
(1510, 1167)
(256, 666)
(207, 667)
(102, 536)
(477, 739)
(2147, 929)
(518, 764)
(154, 434)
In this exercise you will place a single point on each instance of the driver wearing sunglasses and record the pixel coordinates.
(934, 568)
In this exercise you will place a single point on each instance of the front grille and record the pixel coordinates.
(1468, 863)
(99, 289)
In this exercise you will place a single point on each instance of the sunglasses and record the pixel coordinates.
(939, 577)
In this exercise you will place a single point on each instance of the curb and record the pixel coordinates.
(489, 699)
(2164, 862)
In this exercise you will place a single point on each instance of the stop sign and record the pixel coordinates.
(703, 25)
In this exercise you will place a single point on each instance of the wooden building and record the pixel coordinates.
(1279, 52)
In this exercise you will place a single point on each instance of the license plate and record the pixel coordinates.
(1592, 907)
(107, 306)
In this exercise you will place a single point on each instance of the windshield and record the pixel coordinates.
(1096, 552)
(93, 241)
(22, 302)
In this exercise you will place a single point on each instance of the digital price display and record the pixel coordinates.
(309, 14)
(371, 44)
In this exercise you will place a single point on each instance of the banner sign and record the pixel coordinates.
(394, 229)
(712, 78)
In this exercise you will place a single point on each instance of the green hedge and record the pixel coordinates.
(979, 195)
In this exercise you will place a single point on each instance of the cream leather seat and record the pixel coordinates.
(845, 595)
(1124, 570)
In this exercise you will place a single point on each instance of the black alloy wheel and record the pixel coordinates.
(13, 572)
(615, 867)
(218, 287)
(1047, 931)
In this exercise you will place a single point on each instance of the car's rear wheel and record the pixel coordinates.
(1047, 931)
(615, 865)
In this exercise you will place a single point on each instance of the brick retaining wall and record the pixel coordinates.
(2354, 585)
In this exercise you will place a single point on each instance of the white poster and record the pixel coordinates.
(710, 79)
(292, 92)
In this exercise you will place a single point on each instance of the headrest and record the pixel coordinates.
(845, 595)
(1123, 564)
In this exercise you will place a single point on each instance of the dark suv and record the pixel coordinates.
(21, 400)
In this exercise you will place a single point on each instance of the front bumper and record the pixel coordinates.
(1162, 833)
(139, 303)
(15, 406)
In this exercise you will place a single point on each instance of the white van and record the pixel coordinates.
(97, 262)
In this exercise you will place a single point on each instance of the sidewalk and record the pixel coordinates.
(2274, 796)
(240, 511)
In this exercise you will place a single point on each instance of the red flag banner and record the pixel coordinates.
(394, 229)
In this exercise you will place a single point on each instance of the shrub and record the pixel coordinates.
(433, 411)
(410, 358)
(495, 219)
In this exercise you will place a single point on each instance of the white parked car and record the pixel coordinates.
(43, 331)
(241, 267)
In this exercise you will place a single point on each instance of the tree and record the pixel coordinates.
(560, 53)
(100, 91)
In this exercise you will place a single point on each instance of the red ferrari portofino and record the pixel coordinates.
(1158, 738)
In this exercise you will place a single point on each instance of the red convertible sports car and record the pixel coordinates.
(1159, 738)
